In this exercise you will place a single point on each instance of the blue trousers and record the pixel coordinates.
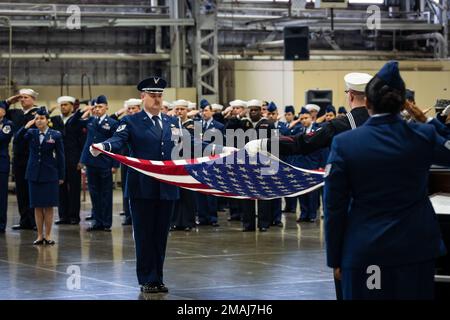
(309, 204)
(206, 208)
(151, 223)
(409, 282)
(275, 205)
(3, 199)
(100, 185)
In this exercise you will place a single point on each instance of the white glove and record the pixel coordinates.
(229, 150)
(253, 147)
(446, 111)
(95, 152)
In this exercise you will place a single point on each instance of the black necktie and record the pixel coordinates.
(157, 125)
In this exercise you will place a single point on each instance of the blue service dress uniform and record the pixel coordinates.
(20, 160)
(377, 207)
(291, 202)
(207, 206)
(98, 169)
(151, 202)
(45, 166)
(6, 133)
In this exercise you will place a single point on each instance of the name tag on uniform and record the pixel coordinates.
(106, 126)
(50, 140)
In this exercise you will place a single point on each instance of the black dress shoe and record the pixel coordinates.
(150, 288)
(62, 222)
(121, 213)
(49, 242)
(215, 224)
(188, 229)
(39, 242)
(20, 227)
(300, 220)
(74, 221)
(248, 229)
(94, 228)
(278, 224)
(163, 288)
(262, 229)
(107, 229)
(89, 218)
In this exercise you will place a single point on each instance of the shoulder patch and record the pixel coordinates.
(6, 129)
(121, 127)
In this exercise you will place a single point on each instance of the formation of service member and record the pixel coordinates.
(150, 134)
(45, 171)
(307, 143)
(99, 170)
(207, 205)
(377, 209)
(186, 206)
(73, 138)
(27, 98)
(6, 134)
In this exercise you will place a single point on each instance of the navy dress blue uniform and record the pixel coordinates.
(20, 160)
(6, 133)
(99, 173)
(207, 206)
(45, 166)
(70, 190)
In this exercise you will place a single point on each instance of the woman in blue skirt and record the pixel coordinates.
(45, 171)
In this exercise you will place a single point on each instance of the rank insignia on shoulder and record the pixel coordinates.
(6, 129)
(121, 127)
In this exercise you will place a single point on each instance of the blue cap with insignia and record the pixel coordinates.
(330, 108)
(101, 100)
(390, 74)
(204, 103)
(342, 110)
(42, 111)
(289, 109)
(152, 84)
(304, 110)
(272, 107)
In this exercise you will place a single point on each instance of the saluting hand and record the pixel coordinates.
(415, 112)
(30, 124)
(13, 99)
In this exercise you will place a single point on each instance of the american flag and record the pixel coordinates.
(233, 175)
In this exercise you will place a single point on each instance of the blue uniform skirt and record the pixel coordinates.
(43, 194)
